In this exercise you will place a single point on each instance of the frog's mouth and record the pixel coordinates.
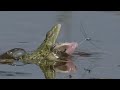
(69, 66)
(68, 48)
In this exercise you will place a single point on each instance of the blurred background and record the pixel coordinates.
(27, 29)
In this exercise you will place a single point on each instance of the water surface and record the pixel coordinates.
(27, 30)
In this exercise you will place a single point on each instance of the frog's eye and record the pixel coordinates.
(52, 48)
(65, 50)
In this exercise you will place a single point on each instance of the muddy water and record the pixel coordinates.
(26, 30)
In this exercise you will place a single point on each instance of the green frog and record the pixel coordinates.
(46, 56)
(43, 56)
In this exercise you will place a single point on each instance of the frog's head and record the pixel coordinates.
(52, 35)
(67, 48)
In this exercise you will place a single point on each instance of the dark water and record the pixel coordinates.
(26, 30)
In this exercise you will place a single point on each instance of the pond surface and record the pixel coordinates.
(22, 29)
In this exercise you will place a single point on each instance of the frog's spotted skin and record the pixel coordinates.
(44, 50)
